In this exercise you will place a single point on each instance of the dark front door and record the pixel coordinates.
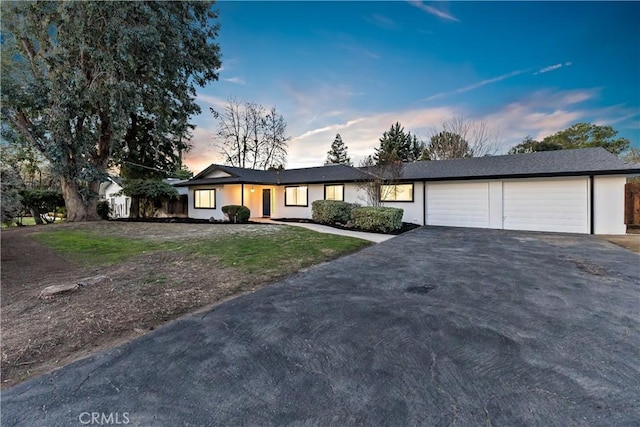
(266, 202)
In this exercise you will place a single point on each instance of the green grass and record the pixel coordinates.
(90, 249)
(272, 254)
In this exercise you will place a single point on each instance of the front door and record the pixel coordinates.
(266, 202)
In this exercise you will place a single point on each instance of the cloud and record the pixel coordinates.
(476, 85)
(433, 11)
(327, 99)
(382, 22)
(540, 114)
(315, 113)
(551, 68)
(361, 133)
(211, 101)
(358, 50)
(204, 151)
(236, 80)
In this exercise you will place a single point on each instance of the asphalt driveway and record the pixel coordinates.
(440, 326)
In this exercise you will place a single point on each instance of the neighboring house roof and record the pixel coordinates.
(587, 161)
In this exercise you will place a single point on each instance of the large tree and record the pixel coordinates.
(250, 137)
(338, 154)
(398, 145)
(446, 145)
(579, 135)
(461, 137)
(78, 76)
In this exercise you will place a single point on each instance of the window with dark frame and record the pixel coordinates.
(204, 199)
(296, 196)
(396, 193)
(334, 192)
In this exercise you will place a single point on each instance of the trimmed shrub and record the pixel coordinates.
(382, 220)
(236, 213)
(331, 211)
(103, 209)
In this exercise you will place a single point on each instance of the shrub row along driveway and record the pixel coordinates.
(437, 326)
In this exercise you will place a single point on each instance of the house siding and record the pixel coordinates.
(225, 195)
(608, 209)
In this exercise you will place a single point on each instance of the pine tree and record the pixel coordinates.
(338, 153)
(396, 145)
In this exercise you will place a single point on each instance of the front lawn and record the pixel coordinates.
(149, 274)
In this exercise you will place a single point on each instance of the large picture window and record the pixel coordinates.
(296, 196)
(204, 199)
(334, 192)
(396, 193)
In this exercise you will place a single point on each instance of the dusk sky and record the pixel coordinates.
(355, 68)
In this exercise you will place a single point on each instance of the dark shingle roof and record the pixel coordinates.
(320, 174)
(238, 176)
(329, 173)
(588, 161)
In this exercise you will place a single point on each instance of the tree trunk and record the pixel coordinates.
(134, 209)
(78, 209)
(35, 213)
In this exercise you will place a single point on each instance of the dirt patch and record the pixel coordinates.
(627, 241)
(39, 335)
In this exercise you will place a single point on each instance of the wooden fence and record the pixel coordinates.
(632, 204)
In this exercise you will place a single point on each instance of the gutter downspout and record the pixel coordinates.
(591, 205)
(242, 194)
(424, 202)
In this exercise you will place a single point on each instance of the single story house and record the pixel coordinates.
(575, 191)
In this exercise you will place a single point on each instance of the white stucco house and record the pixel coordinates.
(574, 191)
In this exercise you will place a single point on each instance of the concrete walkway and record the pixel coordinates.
(439, 326)
(372, 237)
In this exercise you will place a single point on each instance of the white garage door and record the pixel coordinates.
(458, 205)
(546, 205)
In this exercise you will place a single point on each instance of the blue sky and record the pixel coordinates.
(355, 68)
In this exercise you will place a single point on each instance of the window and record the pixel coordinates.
(295, 196)
(334, 192)
(204, 199)
(396, 193)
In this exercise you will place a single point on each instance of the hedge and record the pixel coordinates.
(331, 211)
(236, 213)
(381, 220)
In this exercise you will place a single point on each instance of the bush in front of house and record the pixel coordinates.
(381, 220)
(103, 209)
(331, 211)
(236, 213)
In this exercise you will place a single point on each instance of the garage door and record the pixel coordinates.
(546, 205)
(458, 205)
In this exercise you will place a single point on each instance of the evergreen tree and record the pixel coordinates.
(338, 153)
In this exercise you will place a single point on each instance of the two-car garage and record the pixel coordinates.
(536, 204)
